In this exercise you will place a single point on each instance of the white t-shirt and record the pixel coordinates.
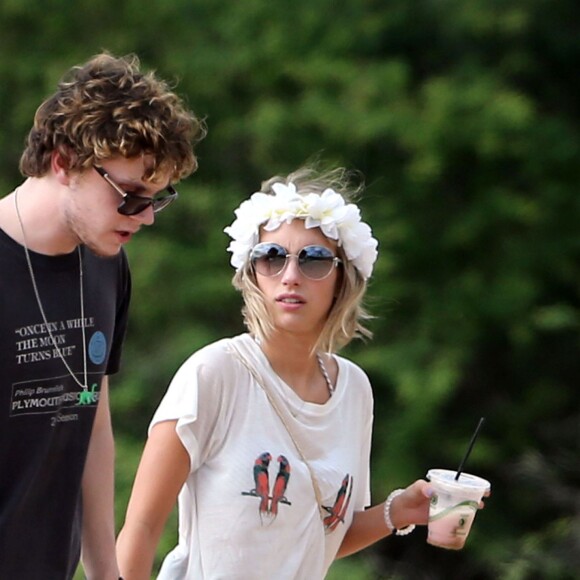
(248, 509)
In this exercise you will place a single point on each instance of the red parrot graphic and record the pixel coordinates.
(268, 507)
(261, 481)
(337, 511)
(280, 485)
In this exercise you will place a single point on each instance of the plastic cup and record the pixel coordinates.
(453, 507)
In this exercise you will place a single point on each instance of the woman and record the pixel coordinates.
(266, 437)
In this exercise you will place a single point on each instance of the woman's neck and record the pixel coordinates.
(297, 364)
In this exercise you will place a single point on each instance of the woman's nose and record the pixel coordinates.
(291, 273)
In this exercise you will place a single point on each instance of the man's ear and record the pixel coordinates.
(60, 162)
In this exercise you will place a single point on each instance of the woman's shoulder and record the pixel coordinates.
(348, 365)
(353, 376)
(214, 357)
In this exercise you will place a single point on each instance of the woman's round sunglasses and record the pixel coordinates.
(315, 262)
(133, 204)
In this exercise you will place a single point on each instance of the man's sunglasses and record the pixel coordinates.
(133, 204)
(315, 262)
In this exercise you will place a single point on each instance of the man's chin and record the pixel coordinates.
(104, 251)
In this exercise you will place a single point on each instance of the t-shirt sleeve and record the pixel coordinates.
(365, 423)
(366, 483)
(195, 399)
(122, 314)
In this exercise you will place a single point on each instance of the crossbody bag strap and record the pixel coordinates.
(283, 419)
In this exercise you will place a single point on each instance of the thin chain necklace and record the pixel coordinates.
(325, 374)
(323, 370)
(84, 386)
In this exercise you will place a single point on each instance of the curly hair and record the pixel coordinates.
(348, 314)
(107, 107)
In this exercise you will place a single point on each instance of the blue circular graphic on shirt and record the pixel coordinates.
(97, 348)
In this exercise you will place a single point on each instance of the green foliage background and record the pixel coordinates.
(463, 116)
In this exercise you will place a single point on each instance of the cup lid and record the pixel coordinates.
(447, 476)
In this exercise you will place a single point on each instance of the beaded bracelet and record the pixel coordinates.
(387, 514)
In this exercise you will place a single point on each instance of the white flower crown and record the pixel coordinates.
(337, 220)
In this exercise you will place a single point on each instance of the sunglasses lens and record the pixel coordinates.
(268, 259)
(316, 262)
(133, 206)
(163, 202)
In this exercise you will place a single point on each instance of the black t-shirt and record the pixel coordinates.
(45, 422)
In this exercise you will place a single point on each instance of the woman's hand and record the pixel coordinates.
(412, 506)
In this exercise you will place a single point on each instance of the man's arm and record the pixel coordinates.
(98, 527)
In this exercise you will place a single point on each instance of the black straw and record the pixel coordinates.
(473, 438)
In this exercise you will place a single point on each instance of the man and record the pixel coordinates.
(99, 162)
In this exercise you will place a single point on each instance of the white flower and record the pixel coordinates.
(328, 211)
